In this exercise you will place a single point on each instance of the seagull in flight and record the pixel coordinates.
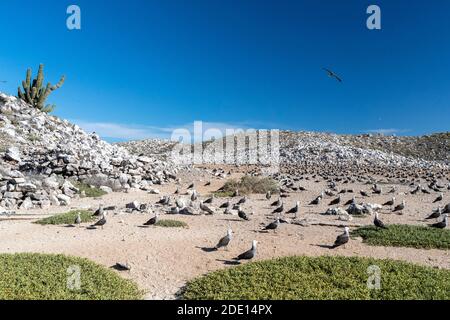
(332, 74)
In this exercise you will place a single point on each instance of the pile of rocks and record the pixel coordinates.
(310, 148)
(40, 154)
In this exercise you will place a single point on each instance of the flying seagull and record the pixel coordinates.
(225, 241)
(250, 254)
(342, 239)
(331, 74)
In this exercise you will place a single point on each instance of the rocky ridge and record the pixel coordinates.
(42, 157)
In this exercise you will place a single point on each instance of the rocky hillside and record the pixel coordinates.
(42, 157)
(324, 148)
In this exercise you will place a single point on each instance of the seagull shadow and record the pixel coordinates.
(325, 246)
(91, 228)
(229, 262)
(69, 226)
(234, 220)
(207, 249)
(144, 227)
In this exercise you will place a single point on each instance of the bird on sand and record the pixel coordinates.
(78, 219)
(316, 201)
(242, 200)
(250, 254)
(439, 198)
(99, 212)
(349, 202)
(194, 195)
(242, 215)
(335, 201)
(225, 205)
(363, 193)
(279, 209)
(295, 209)
(342, 238)
(331, 74)
(225, 241)
(152, 221)
(400, 207)
(442, 224)
(435, 214)
(378, 223)
(122, 266)
(268, 195)
(276, 203)
(209, 200)
(273, 225)
(100, 223)
(390, 202)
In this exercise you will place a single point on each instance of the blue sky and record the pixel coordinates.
(141, 68)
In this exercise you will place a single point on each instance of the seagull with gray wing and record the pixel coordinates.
(250, 254)
(78, 219)
(342, 238)
(331, 74)
(225, 241)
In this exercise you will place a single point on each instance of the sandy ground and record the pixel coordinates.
(163, 259)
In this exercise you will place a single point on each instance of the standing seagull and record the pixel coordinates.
(335, 201)
(242, 215)
(78, 219)
(442, 224)
(331, 74)
(378, 223)
(342, 238)
(101, 222)
(400, 207)
(152, 221)
(273, 226)
(435, 214)
(294, 210)
(250, 254)
(268, 195)
(99, 212)
(225, 241)
(390, 202)
(279, 209)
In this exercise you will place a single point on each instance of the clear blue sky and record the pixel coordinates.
(139, 68)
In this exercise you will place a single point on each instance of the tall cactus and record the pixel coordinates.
(35, 93)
